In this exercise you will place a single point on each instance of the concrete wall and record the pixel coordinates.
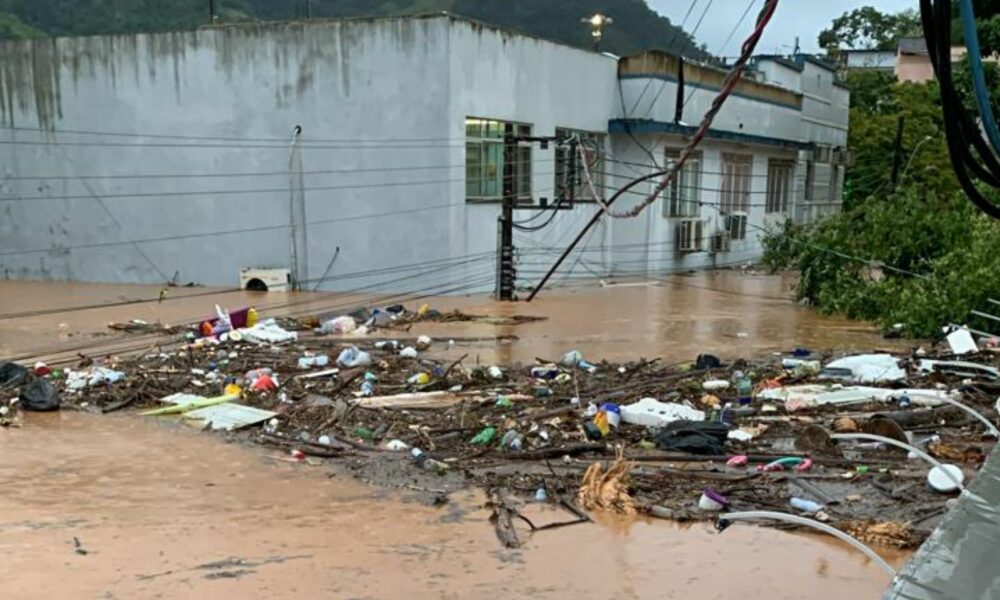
(825, 106)
(776, 73)
(739, 115)
(132, 158)
(649, 243)
(382, 105)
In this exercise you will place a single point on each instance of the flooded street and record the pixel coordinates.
(163, 511)
(167, 512)
(726, 313)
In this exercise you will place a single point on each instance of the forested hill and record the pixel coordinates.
(636, 27)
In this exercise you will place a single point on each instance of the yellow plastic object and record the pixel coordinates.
(183, 408)
(233, 390)
(424, 309)
(252, 317)
(601, 420)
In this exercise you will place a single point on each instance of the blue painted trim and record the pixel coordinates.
(710, 88)
(650, 126)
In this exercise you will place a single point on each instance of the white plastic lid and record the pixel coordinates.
(939, 478)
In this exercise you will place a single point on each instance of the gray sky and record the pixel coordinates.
(803, 18)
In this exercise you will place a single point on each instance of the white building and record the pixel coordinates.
(132, 158)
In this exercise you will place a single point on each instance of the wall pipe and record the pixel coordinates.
(757, 515)
(899, 444)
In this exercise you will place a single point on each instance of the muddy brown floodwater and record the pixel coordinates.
(165, 512)
(727, 313)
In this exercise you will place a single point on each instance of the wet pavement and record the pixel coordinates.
(167, 512)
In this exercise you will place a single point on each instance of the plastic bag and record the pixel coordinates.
(12, 374)
(352, 357)
(39, 395)
(343, 324)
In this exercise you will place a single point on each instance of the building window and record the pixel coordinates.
(484, 160)
(779, 185)
(736, 170)
(592, 147)
(810, 180)
(682, 196)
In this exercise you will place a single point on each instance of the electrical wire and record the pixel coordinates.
(276, 140)
(978, 76)
(727, 88)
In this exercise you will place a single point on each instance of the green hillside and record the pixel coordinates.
(636, 27)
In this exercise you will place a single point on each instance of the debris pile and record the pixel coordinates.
(676, 441)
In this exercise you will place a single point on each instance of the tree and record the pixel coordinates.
(866, 28)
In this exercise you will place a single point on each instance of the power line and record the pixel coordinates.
(284, 140)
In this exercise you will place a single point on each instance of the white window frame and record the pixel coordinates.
(593, 144)
(485, 138)
(780, 179)
(682, 198)
(737, 175)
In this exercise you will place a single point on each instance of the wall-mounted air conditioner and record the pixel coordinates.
(736, 224)
(265, 280)
(721, 242)
(689, 233)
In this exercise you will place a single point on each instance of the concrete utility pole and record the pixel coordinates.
(505, 257)
(297, 213)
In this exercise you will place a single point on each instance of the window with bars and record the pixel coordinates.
(591, 146)
(682, 196)
(779, 185)
(735, 195)
(484, 160)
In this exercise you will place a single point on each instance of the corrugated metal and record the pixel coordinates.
(960, 559)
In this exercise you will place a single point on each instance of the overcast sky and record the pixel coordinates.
(803, 18)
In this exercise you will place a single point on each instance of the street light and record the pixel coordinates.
(597, 24)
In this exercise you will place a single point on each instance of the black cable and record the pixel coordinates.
(960, 133)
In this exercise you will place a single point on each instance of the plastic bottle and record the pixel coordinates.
(484, 437)
(252, 317)
(744, 389)
(426, 463)
(806, 506)
(367, 389)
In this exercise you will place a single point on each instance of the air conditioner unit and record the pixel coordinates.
(265, 280)
(736, 224)
(721, 242)
(842, 157)
(822, 154)
(689, 232)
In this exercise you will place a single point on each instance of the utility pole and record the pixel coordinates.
(573, 148)
(505, 258)
(211, 12)
(897, 151)
(308, 9)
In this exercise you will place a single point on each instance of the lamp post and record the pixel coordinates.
(597, 24)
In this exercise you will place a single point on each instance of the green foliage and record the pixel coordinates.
(636, 27)
(13, 28)
(912, 257)
(871, 139)
(917, 253)
(866, 28)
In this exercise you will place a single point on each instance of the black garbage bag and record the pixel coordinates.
(39, 395)
(12, 374)
(707, 361)
(694, 437)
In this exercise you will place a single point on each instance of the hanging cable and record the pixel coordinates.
(978, 76)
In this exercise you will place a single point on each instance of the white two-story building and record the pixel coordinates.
(369, 155)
